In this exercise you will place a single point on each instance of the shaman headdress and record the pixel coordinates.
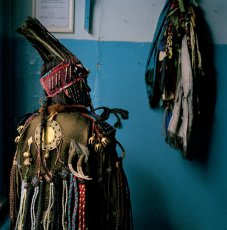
(68, 74)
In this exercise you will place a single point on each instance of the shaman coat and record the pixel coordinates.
(74, 181)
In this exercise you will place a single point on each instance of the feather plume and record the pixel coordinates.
(44, 42)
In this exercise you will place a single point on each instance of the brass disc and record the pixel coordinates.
(52, 137)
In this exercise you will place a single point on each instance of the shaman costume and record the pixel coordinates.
(66, 172)
(174, 68)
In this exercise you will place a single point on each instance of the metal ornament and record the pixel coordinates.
(52, 137)
(27, 154)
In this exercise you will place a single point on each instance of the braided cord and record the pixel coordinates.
(70, 201)
(82, 206)
(12, 194)
(75, 204)
(30, 193)
(74, 200)
(123, 197)
(128, 207)
(39, 204)
(56, 214)
(119, 200)
(64, 204)
(19, 223)
(32, 210)
(46, 220)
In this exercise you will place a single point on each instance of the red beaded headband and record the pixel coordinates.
(62, 76)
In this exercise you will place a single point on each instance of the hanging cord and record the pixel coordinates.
(13, 194)
(111, 194)
(64, 204)
(72, 200)
(56, 214)
(128, 206)
(20, 217)
(27, 211)
(32, 210)
(119, 213)
(119, 114)
(125, 192)
(46, 220)
(40, 204)
(124, 212)
(75, 204)
(82, 206)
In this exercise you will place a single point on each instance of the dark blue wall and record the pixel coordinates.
(1, 75)
(6, 105)
(167, 192)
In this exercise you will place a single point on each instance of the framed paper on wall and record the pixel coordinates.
(56, 15)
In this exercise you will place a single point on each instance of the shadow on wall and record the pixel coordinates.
(7, 99)
(150, 198)
(207, 93)
(7, 147)
(7, 127)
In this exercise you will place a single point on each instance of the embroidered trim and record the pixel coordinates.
(62, 76)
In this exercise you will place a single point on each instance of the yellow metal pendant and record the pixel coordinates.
(51, 138)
